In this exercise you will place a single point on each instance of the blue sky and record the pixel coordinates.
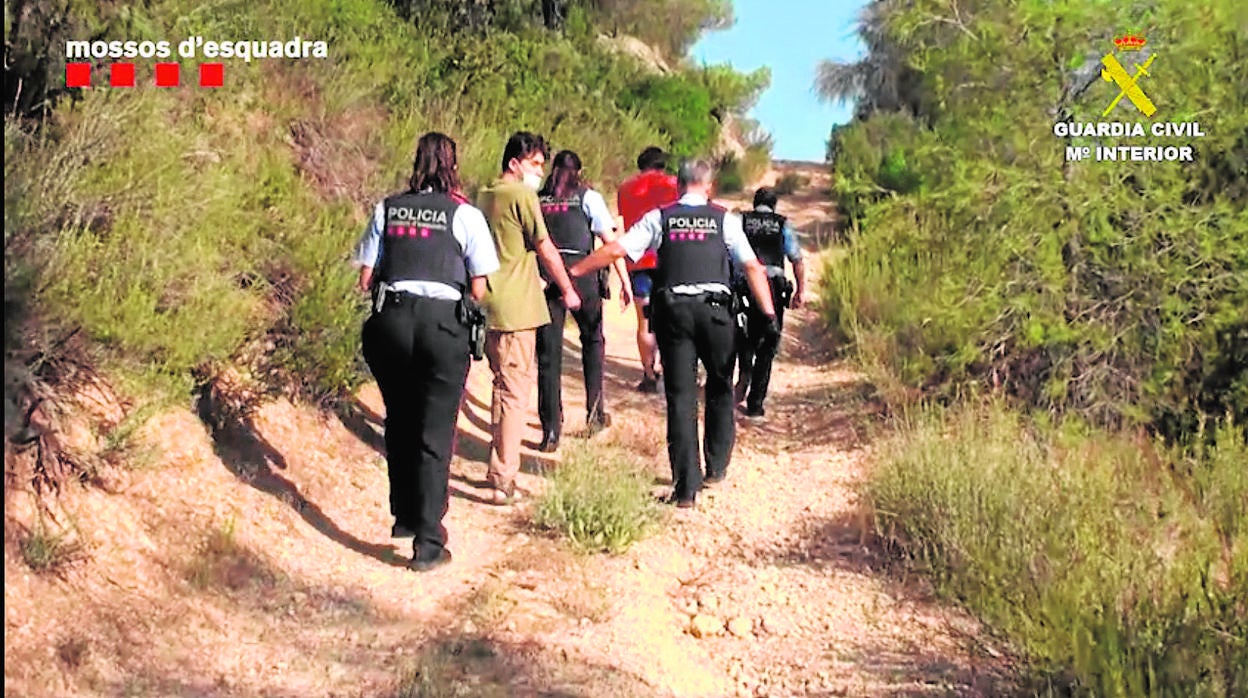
(790, 37)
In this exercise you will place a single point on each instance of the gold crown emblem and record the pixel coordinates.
(1130, 42)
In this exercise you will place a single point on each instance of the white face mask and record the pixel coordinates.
(533, 181)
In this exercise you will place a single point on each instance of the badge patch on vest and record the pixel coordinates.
(550, 204)
(690, 228)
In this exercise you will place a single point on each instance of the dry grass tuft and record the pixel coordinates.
(220, 562)
(49, 551)
(456, 668)
(584, 599)
(489, 604)
(644, 436)
(73, 651)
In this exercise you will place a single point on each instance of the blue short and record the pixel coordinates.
(643, 283)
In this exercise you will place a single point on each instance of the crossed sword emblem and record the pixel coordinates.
(1127, 84)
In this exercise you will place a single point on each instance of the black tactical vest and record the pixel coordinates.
(765, 231)
(568, 224)
(418, 244)
(692, 250)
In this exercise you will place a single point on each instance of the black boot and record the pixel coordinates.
(598, 422)
(550, 442)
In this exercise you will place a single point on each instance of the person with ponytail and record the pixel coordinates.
(423, 251)
(574, 214)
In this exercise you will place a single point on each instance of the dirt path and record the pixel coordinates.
(258, 564)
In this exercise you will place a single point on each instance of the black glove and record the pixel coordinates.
(771, 331)
(604, 283)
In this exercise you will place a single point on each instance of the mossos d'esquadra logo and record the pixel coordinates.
(1126, 68)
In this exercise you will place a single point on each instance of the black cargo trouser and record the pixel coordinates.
(691, 329)
(417, 349)
(756, 351)
(550, 352)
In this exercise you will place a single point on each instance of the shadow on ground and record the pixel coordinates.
(253, 460)
(807, 341)
(489, 667)
(839, 416)
(368, 426)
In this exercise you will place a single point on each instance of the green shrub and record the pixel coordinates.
(681, 109)
(756, 161)
(1124, 563)
(734, 174)
(188, 229)
(790, 183)
(598, 497)
(981, 259)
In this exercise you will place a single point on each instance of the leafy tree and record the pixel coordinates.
(682, 111)
(881, 80)
(671, 25)
(100, 242)
(1110, 289)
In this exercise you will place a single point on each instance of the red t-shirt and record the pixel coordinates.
(637, 197)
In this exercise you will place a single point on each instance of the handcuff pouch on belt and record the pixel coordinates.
(469, 313)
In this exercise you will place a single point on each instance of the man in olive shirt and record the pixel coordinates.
(516, 303)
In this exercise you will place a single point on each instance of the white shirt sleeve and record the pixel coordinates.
(473, 232)
(595, 207)
(734, 237)
(646, 234)
(368, 250)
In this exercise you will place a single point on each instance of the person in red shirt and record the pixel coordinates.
(651, 188)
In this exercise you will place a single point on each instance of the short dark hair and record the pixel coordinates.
(523, 144)
(652, 158)
(765, 196)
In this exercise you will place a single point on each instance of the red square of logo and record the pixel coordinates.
(211, 74)
(167, 75)
(77, 74)
(121, 75)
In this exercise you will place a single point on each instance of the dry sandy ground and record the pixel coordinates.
(259, 564)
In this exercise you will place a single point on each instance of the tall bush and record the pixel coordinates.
(1113, 290)
(186, 230)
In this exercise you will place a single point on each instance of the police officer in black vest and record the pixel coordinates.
(773, 241)
(574, 213)
(421, 253)
(693, 317)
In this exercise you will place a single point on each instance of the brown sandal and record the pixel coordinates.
(503, 496)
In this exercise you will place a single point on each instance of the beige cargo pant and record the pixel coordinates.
(512, 357)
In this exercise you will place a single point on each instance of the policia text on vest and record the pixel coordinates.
(424, 257)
